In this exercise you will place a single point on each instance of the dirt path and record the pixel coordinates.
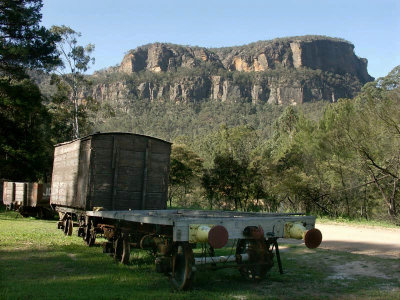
(377, 241)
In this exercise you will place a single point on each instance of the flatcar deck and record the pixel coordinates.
(233, 221)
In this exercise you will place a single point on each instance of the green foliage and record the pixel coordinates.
(338, 159)
(76, 60)
(185, 171)
(347, 163)
(23, 42)
(24, 122)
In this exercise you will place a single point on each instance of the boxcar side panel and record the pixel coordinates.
(8, 192)
(34, 191)
(82, 200)
(101, 172)
(65, 174)
(157, 181)
(20, 193)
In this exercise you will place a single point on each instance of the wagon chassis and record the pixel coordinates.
(171, 236)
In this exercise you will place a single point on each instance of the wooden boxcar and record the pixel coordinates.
(14, 194)
(28, 198)
(110, 171)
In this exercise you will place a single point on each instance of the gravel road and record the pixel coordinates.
(377, 241)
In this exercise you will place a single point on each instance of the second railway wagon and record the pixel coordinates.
(28, 198)
(116, 185)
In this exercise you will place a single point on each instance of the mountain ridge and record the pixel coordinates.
(289, 70)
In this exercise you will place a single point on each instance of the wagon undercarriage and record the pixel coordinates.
(171, 236)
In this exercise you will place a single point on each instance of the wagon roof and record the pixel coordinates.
(111, 133)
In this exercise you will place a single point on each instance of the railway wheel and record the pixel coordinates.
(122, 249)
(40, 213)
(90, 233)
(68, 226)
(260, 258)
(182, 266)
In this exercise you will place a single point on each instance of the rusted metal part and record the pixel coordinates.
(218, 236)
(313, 238)
(90, 232)
(260, 258)
(182, 266)
(157, 244)
(108, 231)
(122, 249)
(255, 232)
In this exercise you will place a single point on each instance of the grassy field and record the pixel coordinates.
(361, 222)
(38, 262)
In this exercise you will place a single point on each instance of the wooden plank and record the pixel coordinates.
(155, 201)
(131, 158)
(65, 170)
(115, 165)
(146, 164)
(20, 192)
(130, 171)
(8, 192)
(127, 184)
(129, 200)
(82, 188)
(161, 147)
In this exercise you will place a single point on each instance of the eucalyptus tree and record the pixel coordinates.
(76, 60)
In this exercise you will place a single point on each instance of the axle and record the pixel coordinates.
(219, 259)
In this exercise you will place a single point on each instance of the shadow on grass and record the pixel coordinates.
(79, 272)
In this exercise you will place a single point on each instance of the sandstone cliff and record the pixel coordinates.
(282, 71)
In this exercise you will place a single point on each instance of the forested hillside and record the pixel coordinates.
(336, 159)
(234, 148)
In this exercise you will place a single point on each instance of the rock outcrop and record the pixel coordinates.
(282, 71)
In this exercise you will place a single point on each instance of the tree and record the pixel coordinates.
(76, 60)
(185, 167)
(224, 182)
(24, 121)
(23, 42)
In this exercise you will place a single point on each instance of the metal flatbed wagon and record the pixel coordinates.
(115, 185)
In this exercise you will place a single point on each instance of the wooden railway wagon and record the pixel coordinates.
(115, 185)
(109, 171)
(28, 198)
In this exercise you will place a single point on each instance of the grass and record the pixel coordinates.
(38, 262)
(362, 222)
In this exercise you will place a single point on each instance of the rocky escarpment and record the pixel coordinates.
(282, 71)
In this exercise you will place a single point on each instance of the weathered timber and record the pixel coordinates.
(111, 171)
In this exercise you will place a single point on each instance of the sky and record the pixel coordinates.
(117, 26)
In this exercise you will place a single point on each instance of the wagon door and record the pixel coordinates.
(128, 170)
(82, 183)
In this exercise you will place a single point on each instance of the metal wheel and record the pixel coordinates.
(122, 249)
(40, 213)
(260, 258)
(70, 227)
(182, 266)
(90, 233)
(67, 226)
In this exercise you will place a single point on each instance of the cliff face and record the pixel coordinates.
(282, 71)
